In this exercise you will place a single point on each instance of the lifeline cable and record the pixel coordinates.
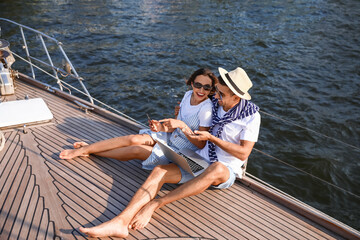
(303, 171)
(320, 134)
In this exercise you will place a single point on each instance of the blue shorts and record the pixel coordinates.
(185, 177)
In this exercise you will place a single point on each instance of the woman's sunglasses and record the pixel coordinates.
(207, 87)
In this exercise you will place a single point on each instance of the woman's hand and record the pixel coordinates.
(155, 126)
(171, 123)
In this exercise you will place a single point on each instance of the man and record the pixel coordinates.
(236, 123)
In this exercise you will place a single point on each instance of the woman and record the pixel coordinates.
(194, 114)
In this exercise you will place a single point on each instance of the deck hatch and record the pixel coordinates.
(24, 112)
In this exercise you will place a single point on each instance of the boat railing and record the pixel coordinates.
(36, 62)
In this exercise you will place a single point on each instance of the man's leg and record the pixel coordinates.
(108, 144)
(118, 226)
(215, 174)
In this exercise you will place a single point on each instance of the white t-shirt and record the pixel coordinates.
(204, 108)
(242, 129)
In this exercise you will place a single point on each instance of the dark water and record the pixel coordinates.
(302, 56)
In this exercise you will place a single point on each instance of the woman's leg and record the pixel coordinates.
(141, 152)
(108, 144)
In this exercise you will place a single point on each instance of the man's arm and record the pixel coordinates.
(241, 150)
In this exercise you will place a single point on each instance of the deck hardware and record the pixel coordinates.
(2, 140)
(6, 76)
(83, 106)
(49, 89)
(26, 97)
(25, 129)
(66, 66)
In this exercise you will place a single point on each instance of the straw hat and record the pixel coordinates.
(238, 82)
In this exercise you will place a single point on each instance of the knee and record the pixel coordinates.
(218, 167)
(218, 171)
(135, 140)
(140, 139)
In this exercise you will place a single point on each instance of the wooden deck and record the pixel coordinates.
(44, 197)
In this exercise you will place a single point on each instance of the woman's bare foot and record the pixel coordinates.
(143, 217)
(71, 153)
(80, 144)
(114, 228)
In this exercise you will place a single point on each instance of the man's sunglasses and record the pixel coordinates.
(207, 87)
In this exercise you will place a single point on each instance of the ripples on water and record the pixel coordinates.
(302, 56)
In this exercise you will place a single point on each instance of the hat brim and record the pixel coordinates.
(223, 72)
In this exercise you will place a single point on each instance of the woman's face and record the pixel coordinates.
(201, 87)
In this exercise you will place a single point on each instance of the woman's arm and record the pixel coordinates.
(174, 123)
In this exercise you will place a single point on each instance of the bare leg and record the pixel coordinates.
(216, 174)
(118, 226)
(141, 152)
(79, 145)
(108, 144)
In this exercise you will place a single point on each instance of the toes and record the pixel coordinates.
(79, 144)
(83, 230)
(137, 226)
(132, 225)
(62, 155)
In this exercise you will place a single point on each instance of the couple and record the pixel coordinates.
(226, 142)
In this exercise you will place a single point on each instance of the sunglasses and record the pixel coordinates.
(207, 87)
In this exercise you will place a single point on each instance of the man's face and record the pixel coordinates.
(227, 99)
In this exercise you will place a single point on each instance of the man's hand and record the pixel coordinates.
(200, 136)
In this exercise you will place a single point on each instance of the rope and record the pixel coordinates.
(299, 169)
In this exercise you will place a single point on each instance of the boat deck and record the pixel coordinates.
(44, 197)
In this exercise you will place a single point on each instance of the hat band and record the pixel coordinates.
(233, 84)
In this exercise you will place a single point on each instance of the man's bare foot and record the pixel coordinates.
(79, 144)
(114, 228)
(71, 153)
(143, 217)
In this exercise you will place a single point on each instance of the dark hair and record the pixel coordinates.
(204, 72)
(221, 81)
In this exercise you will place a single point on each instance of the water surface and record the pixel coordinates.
(302, 56)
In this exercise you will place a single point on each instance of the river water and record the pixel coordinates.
(302, 56)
